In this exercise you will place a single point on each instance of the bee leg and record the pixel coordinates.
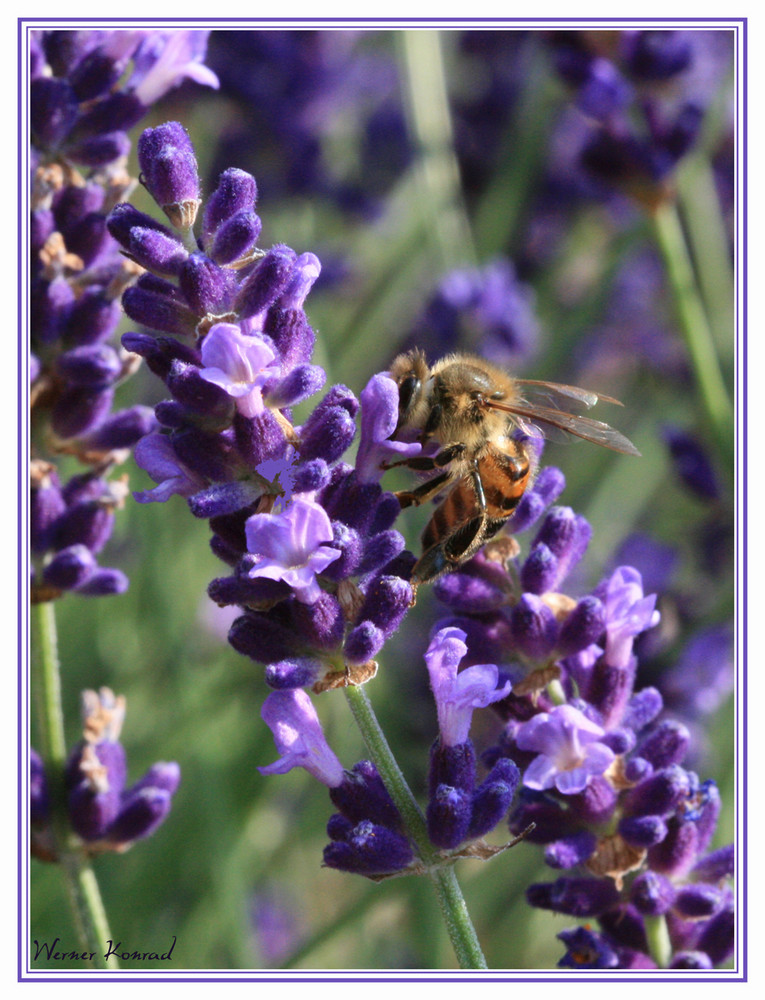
(425, 463)
(422, 493)
(447, 554)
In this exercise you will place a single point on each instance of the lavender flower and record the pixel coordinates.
(88, 89)
(104, 812)
(568, 747)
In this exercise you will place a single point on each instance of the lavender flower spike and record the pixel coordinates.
(569, 750)
(458, 694)
(299, 738)
(291, 547)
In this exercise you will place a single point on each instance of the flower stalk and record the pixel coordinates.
(459, 925)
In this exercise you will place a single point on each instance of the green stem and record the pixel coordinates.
(88, 911)
(452, 902)
(659, 944)
(694, 327)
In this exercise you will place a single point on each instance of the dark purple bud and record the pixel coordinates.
(448, 816)
(259, 438)
(158, 307)
(658, 795)
(266, 282)
(95, 777)
(92, 318)
(264, 639)
(50, 311)
(53, 111)
(596, 803)
(656, 55)
(235, 194)
(362, 795)
(197, 394)
(380, 550)
(78, 410)
(241, 589)
(452, 765)
(329, 436)
(347, 541)
(643, 831)
(163, 254)
(625, 926)
(716, 939)
(338, 827)
(95, 365)
(642, 708)
(697, 902)
(114, 115)
(39, 802)
(621, 741)
(104, 583)
(124, 218)
(570, 851)
(99, 150)
(470, 592)
(715, 866)
(90, 239)
(69, 568)
(302, 382)
(385, 513)
(547, 487)
(533, 627)
(666, 744)
(71, 204)
(636, 769)
(122, 429)
(576, 897)
(386, 602)
(225, 498)
(291, 333)
(235, 238)
(692, 464)
(652, 894)
(46, 506)
(208, 288)
(310, 476)
(550, 821)
(88, 523)
(539, 573)
(364, 642)
(566, 535)
(169, 171)
(95, 75)
(582, 627)
(587, 950)
(492, 798)
(159, 352)
(297, 673)
(369, 849)
(140, 815)
(205, 454)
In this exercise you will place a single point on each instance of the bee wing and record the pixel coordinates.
(571, 423)
(560, 396)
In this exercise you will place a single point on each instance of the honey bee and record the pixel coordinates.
(470, 409)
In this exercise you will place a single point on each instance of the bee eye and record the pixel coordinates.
(407, 392)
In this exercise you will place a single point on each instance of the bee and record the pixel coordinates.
(468, 410)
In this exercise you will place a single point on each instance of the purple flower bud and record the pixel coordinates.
(53, 111)
(691, 960)
(534, 627)
(362, 795)
(570, 851)
(386, 601)
(566, 536)
(595, 804)
(587, 950)
(540, 573)
(658, 795)
(643, 831)
(576, 897)
(453, 765)
(47, 504)
(103, 583)
(300, 383)
(697, 902)
(146, 805)
(363, 643)
(79, 409)
(207, 288)
(169, 171)
(50, 311)
(457, 695)
(92, 318)
(235, 238)
(299, 738)
(569, 748)
(121, 430)
(155, 304)
(369, 849)
(380, 550)
(300, 672)
(266, 282)
(95, 778)
(327, 433)
(652, 894)
(642, 708)
(636, 769)
(99, 150)
(475, 590)
(582, 627)
(291, 333)
(69, 568)
(262, 638)
(448, 816)
(715, 866)
(717, 937)
(306, 270)
(666, 744)
(492, 798)
(235, 194)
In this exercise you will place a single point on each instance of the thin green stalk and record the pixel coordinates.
(452, 902)
(713, 393)
(659, 944)
(88, 912)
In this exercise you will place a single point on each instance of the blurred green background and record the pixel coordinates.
(241, 851)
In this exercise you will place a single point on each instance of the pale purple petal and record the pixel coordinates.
(569, 749)
(239, 364)
(299, 738)
(155, 454)
(379, 416)
(628, 613)
(165, 59)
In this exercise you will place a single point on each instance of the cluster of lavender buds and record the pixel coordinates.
(486, 310)
(644, 95)
(87, 89)
(367, 834)
(603, 781)
(102, 812)
(319, 573)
